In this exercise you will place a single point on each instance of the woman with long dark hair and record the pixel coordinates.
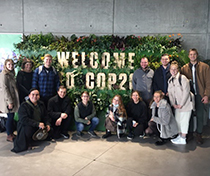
(24, 79)
(137, 116)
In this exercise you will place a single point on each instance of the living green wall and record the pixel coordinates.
(79, 57)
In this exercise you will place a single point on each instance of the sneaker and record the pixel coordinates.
(79, 134)
(142, 135)
(175, 139)
(130, 136)
(92, 134)
(180, 140)
(108, 134)
(65, 135)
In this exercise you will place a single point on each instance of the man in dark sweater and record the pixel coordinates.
(59, 110)
(84, 114)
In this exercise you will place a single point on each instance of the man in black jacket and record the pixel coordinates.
(59, 110)
(32, 116)
(161, 76)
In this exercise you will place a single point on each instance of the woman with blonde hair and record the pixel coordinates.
(162, 122)
(182, 101)
(9, 93)
(115, 117)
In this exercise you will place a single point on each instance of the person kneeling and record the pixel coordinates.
(84, 114)
(137, 116)
(115, 118)
(32, 116)
(162, 122)
(59, 110)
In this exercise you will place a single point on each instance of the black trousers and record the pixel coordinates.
(63, 128)
(138, 130)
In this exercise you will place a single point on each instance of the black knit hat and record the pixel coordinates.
(32, 89)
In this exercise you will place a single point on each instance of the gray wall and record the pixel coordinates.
(118, 17)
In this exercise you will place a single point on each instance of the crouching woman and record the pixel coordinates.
(162, 122)
(115, 118)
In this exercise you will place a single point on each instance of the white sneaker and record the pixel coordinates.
(175, 139)
(179, 141)
(142, 135)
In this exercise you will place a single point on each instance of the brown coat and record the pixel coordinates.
(202, 76)
(8, 92)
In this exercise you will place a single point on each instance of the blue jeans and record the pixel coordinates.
(10, 123)
(94, 122)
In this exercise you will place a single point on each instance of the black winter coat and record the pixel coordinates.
(25, 114)
(158, 79)
(55, 108)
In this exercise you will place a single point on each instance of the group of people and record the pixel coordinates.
(42, 103)
(183, 93)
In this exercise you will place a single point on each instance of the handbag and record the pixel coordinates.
(40, 134)
(3, 121)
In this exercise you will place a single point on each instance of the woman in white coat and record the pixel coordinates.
(182, 100)
(9, 96)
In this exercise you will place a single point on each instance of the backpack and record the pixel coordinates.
(3, 124)
(190, 82)
(41, 68)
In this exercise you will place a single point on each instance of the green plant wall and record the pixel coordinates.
(35, 46)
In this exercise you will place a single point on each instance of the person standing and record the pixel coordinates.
(199, 73)
(24, 79)
(59, 110)
(9, 94)
(46, 80)
(161, 76)
(142, 82)
(182, 101)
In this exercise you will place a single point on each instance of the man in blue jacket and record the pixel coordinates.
(46, 79)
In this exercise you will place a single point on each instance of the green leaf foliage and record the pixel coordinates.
(34, 46)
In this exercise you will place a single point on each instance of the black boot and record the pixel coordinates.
(161, 142)
(190, 136)
(108, 134)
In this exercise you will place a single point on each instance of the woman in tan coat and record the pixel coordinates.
(8, 90)
(182, 100)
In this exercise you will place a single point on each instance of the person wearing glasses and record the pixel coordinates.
(85, 115)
